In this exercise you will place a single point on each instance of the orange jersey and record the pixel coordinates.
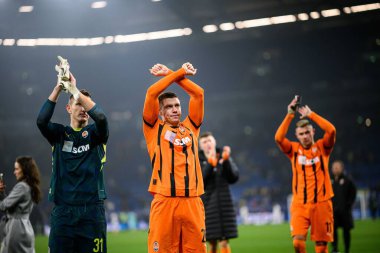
(311, 179)
(173, 150)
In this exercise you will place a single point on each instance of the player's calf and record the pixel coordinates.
(299, 245)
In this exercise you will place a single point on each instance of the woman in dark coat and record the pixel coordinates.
(219, 171)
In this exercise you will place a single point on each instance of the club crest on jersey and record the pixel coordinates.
(314, 150)
(84, 134)
(156, 246)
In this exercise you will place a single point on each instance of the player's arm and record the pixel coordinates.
(151, 105)
(325, 125)
(230, 171)
(196, 93)
(207, 169)
(101, 123)
(280, 137)
(48, 129)
(95, 112)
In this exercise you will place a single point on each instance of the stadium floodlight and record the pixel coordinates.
(283, 19)
(156, 0)
(365, 7)
(99, 4)
(26, 42)
(210, 28)
(26, 8)
(131, 38)
(330, 13)
(314, 15)
(108, 39)
(227, 26)
(187, 31)
(303, 16)
(347, 10)
(67, 42)
(9, 42)
(257, 22)
(48, 42)
(165, 34)
(96, 41)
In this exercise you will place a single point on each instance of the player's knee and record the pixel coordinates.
(299, 245)
(321, 247)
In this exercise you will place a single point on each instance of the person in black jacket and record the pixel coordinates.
(343, 201)
(219, 171)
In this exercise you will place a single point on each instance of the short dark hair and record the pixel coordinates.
(83, 91)
(303, 123)
(205, 134)
(166, 95)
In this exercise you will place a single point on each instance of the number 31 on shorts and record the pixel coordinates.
(98, 245)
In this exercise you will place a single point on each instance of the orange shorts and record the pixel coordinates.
(176, 224)
(317, 215)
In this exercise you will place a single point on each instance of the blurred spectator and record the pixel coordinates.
(343, 201)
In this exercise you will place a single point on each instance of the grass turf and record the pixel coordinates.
(258, 239)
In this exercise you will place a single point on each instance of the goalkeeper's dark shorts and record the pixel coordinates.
(78, 229)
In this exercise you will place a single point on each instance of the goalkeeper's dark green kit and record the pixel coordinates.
(78, 223)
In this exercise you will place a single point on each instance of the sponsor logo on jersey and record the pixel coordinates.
(182, 141)
(68, 147)
(156, 246)
(304, 161)
(84, 134)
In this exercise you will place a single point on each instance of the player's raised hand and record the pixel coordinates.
(292, 105)
(2, 186)
(226, 152)
(188, 67)
(159, 70)
(305, 111)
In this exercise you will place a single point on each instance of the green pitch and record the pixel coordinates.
(252, 239)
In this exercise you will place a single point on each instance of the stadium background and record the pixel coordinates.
(249, 76)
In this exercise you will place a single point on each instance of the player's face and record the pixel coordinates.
(77, 112)
(18, 171)
(171, 111)
(305, 135)
(207, 144)
(337, 168)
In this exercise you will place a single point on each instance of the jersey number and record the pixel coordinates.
(98, 245)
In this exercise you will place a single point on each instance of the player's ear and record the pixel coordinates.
(68, 108)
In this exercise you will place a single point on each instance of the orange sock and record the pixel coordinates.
(299, 246)
(225, 249)
(321, 249)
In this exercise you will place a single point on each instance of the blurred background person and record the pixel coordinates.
(219, 171)
(373, 202)
(343, 202)
(19, 234)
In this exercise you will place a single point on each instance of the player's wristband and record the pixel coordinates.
(291, 111)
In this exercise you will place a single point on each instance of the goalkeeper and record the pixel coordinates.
(78, 221)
